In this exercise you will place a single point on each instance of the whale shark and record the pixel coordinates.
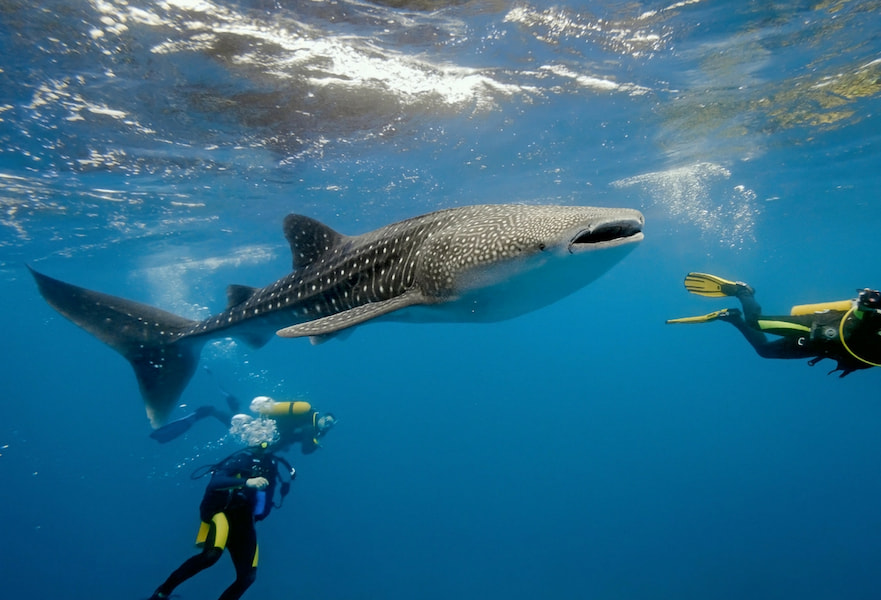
(480, 263)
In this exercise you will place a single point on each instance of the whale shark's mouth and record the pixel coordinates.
(607, 235)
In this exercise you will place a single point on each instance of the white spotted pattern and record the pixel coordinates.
(428, 253)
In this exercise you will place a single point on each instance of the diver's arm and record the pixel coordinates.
(233, 474)
(226, 482)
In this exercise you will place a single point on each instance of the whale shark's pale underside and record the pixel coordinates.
(474, 263)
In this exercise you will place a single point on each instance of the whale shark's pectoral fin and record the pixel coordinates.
(329, 325)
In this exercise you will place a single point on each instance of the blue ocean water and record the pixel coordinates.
(587, 450)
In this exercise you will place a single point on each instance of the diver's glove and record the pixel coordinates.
(257, 482)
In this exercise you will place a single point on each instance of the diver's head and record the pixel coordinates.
(260, 432)
(324, 423)
(869, 300)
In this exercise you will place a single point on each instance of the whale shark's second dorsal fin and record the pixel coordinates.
(236, 294)
(309, 239)
(239, 294)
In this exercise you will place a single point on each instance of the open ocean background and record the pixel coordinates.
(584, 451)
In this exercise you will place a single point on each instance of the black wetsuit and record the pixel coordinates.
(815, 336)
(228, 511)
(300, 428)
(292, 429)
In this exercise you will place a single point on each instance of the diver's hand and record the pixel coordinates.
(257, 482)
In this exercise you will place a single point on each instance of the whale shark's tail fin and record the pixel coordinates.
(149, 338)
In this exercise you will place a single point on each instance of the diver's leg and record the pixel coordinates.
(754, 336)
(748, 323)
(785, 347)
(243, 551)
(211, 552)
(751, 309)
(793, 342)
(223, 417)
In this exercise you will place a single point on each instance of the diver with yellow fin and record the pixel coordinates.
(846, 331)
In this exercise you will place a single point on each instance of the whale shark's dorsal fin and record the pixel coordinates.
(309, 239)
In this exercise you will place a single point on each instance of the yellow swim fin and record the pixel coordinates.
(725, 312)
(704, 284)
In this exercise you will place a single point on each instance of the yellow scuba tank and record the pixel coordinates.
(808, 309)
(280, 409)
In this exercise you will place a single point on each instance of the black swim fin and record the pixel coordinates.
(174, 429)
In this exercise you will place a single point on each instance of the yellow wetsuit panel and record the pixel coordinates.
(221, 531)
(202, 536)
(766, 325)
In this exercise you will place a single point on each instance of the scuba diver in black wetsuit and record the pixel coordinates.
(240, 492)
(296, 421)
(846, 331)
